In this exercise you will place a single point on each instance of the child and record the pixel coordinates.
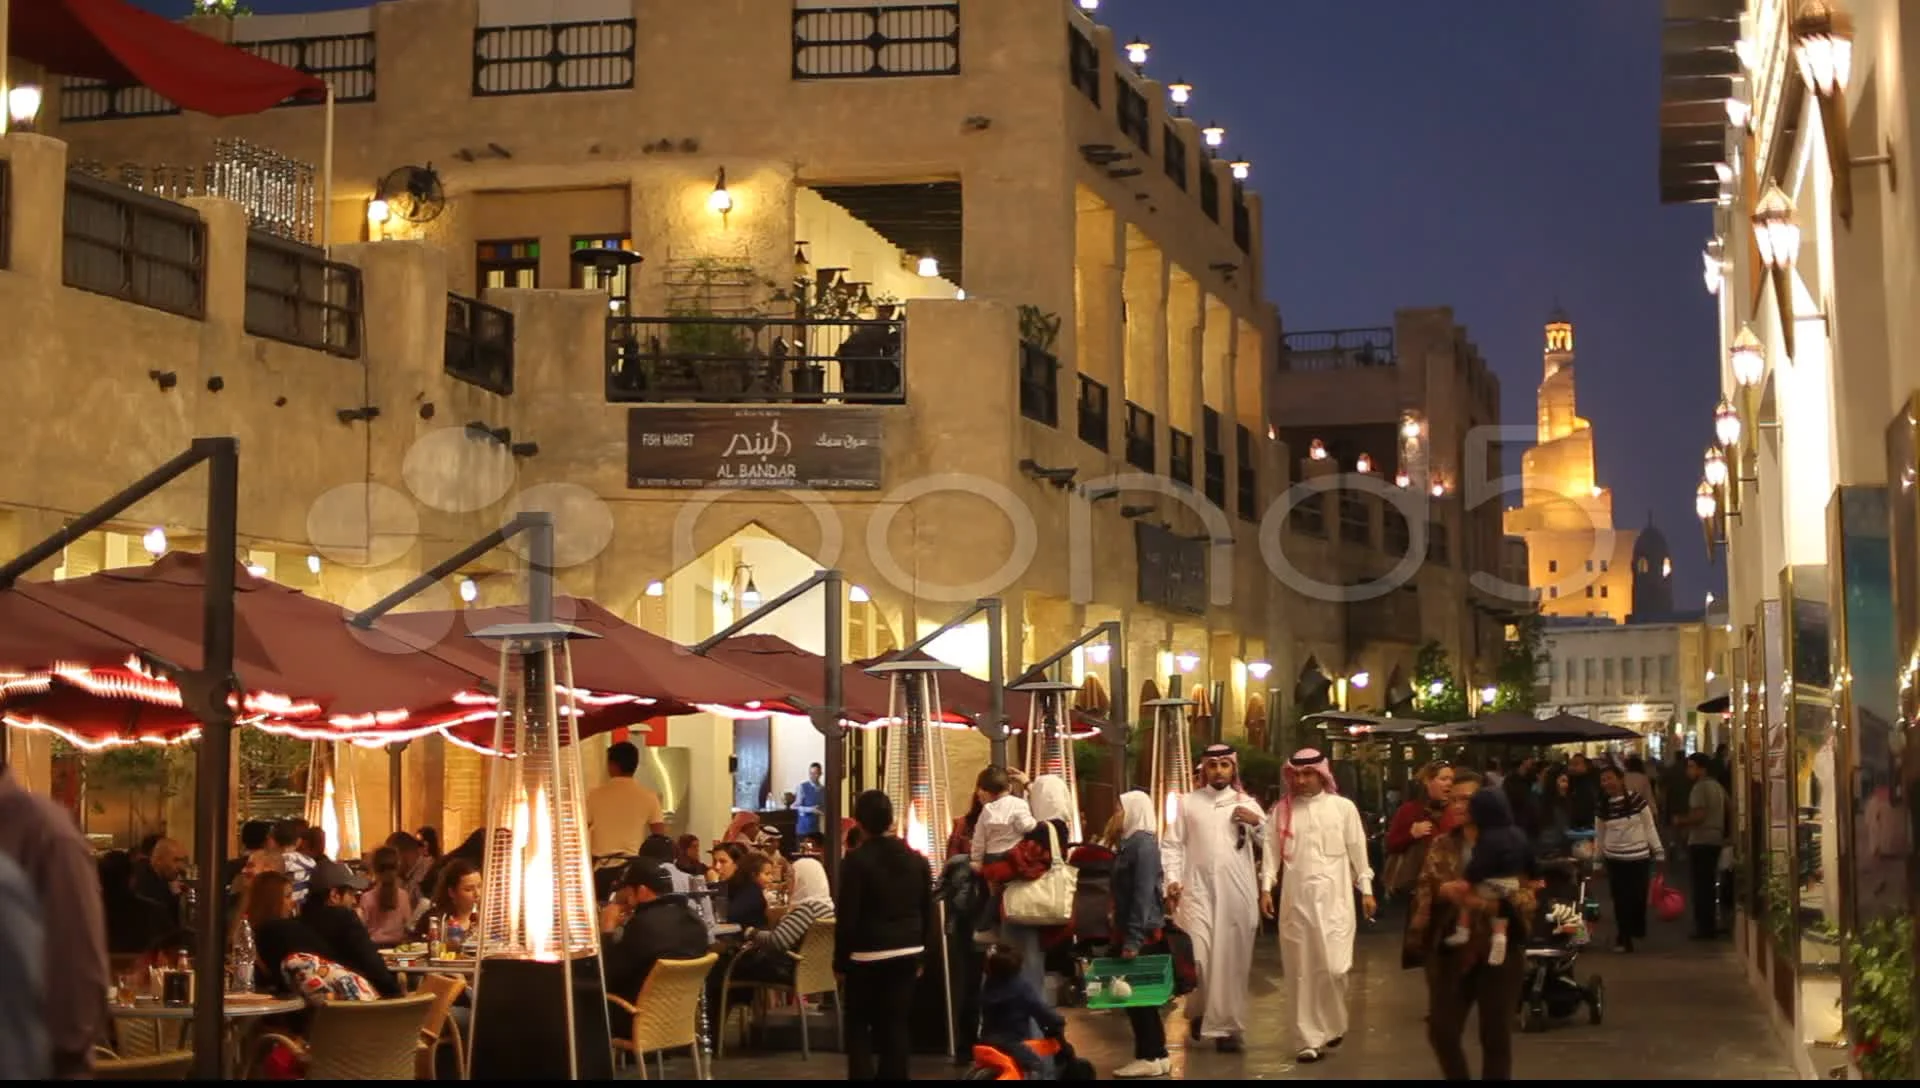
(1500, 867)
(1010, 1008)
(1005, 818)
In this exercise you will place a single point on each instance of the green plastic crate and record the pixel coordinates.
(1150, 976)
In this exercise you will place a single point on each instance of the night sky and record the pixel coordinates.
(1495, 156)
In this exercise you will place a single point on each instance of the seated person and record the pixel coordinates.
(766, 954)
(1011, 1009)
(661, 849)
(455, 904)
(747, 892)
(647, 923)
(332, 911)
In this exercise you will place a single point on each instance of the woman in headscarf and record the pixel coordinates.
(1052, 803)
(765, 954)
(1139, 923)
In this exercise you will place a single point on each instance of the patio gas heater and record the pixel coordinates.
(1047, 746)
(333, 804)
(914, 777)
(539, 996)
(1170, 776)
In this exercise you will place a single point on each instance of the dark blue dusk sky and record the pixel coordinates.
(1493, 156)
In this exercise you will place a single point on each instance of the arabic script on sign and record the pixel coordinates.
(773, 441)
(840, 442)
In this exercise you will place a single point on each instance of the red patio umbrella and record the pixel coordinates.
(802, 675)
(967, 694)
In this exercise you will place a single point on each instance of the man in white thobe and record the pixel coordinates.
(1211, 875)
(1316, 841)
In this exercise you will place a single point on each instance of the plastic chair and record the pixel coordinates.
(174, 1065)
(666, 1015)
(440, 1030)
(812, 976)
(360, 1040)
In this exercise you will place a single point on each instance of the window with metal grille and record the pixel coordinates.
(1356, 524)
(1247, 476)
(1173, 152)
(1131, 110)
(510, 263)
(1308, 517)
(1094, 398)
(1209, 192)
(1083, 63)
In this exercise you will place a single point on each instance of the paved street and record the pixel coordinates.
(1674, 1010)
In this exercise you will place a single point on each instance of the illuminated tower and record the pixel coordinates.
(1580, 564)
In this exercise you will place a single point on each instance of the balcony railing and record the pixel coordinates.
(1180, 457)
(869, 42)
(1094, 399)
(1039, 385)
(754, 359)
(1337, 349)
(132, 246)
(1140, 452)
(553, 57)
(345, 61)
(1130, 107)
(1083, 63)
(480, 344)
(296, 295)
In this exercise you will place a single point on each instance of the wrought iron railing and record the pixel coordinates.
(480, 344)
(1209, 192)
(750, 359)
(280, 193)
(1130, 108)
(1093, 401)
(1140, 437)
(1337, 349)
(1180, 456)
(867, 42)
(1039, 385)
(1083, 63)
(548, 58)
(296, 295)
(344, 60)
(1173, 154)
(132, 246)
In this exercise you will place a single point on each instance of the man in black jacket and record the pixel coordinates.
(331, 911)
(659, 925)
(886, 924)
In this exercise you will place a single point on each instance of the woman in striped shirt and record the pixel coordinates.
(1630, 844)
(766, 952)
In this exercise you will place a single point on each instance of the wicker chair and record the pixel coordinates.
(440, 1030)
(666, 1016)
(360, 1040)
(171, 1066)
(812, 976)
(145, 1037)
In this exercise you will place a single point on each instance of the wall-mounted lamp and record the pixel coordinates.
(859, 595)
(155, 542)
(1401, 479)
(258, 570)
(1705, 505)
(1186, 661)
(1738, 112)
(378, 213)
(313, 565)
(1242, 169)
(750, 598)
(1137, 51)
(469, 590)
(1713, 269)
(1099, 652)
(1214, 135)
(1181, 93)
(1777, 236)
(1726, 423)
(1410, 428)
(656, 589)
(1259, 669)
(1489, 693)
(1316, 450)
(23, 107)
(1089, 5)
(1360, 679)
(1363, 464)
(1716, 467)
(1747, 358)
(1823, 49)
(929, 267)
(1438, 490)
(720, 202)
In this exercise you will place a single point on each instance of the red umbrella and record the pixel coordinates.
(966, 694)
(295, 655)
(802, 674)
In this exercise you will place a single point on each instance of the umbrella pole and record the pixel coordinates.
(996, 684)
(211, 686)
(829, 722)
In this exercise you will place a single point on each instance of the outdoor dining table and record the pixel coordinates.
(242, 1012)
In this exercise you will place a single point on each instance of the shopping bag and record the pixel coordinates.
(1667, 902)
(1045, 901)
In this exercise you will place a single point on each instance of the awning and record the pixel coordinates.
(116, 42)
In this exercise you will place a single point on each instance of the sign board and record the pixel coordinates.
(1173, 569)
(823, 449)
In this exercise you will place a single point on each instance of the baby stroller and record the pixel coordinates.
(1552, 989)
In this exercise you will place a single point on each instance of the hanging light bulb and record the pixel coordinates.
(469, 590)
(1438, 490)
(1704, 504)
(656, 589)
(1099, 652)
(1747, 358)
(1259, 669)
(929, 267)
(1137, 51)
(859, 595)
(1726, 424)
(1716, 467)
(155, 542)
(1186, 661)
(750, 597)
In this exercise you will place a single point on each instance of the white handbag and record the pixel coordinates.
(1046, 900)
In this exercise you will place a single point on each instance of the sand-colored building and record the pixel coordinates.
(1581, 564)
(987, 313)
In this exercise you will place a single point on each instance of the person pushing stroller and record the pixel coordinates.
(1501, 866)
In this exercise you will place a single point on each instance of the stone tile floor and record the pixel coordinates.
(1675, 1010)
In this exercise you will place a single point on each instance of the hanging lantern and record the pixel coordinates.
(539, 1005)
(914, 766)
(332, 803)
(1048, 743)
(1171, 775)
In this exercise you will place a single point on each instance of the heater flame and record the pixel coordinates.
(1173, 808)
(917, 837)
(533, 825)
(330, 816)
